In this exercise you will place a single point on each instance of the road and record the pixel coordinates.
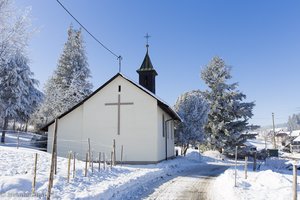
(192, 184)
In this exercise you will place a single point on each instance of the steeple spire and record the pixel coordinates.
(147, 72)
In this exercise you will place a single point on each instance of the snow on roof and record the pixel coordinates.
(284, 129)
(282, 133)
(297, 139)
(295, 133)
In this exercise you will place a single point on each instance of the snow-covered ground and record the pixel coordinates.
(272, 181)
(16, 175)
(23, 139)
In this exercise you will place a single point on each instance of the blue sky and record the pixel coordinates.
(260, 40)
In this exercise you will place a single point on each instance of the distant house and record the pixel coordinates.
(281, 137)
(295, 145)
(295, 133)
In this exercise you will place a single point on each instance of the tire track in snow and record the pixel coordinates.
(192, 184)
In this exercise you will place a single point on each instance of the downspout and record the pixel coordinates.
(165, 130)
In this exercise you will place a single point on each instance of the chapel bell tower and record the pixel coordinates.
(146, 72)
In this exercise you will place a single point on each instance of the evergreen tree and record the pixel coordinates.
(294, 122)
(16, 80)
(228, 116)
(70, 82)
(18, 92)
(192, 109)
(15, 30)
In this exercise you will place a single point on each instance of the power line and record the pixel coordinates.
(105, 47)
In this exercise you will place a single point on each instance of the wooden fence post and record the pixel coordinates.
(55, 152)
(114, 152)
(34, 174)
(111, 159)
(99, 161)
(236, 148)
(74, 171)
(86, 164)
(295, 181)
(89, 143)
(92, 157)
(18, 140)
(121, 155)
(104, 161)
(50, 184)
(246, 166)
(55, 162)
(69, 166)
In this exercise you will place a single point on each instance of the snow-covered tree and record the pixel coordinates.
(228, 114)
(18, 94)
(15, 29)
(294, 122)
(192, 109)
(70, 82)
(16, 79)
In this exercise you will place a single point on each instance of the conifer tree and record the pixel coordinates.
(18, 94)
(18, 88)
(228, 116)
(69, 83)
(293, 122)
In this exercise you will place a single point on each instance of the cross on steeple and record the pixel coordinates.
(147, 36)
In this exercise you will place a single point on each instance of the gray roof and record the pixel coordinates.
(147, 65)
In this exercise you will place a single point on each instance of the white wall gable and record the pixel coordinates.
(99, 122)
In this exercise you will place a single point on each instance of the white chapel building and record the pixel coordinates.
(124, 111)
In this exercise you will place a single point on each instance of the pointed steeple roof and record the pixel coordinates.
(147, 65)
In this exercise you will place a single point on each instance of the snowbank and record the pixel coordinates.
(273, 181)
(16, 175)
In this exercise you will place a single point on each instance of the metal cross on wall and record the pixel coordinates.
(119, 103)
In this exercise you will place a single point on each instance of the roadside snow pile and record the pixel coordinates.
(213, 156)
(205, 157)
(273, 181)
(278, 164)
(193, 154)
(16, 175)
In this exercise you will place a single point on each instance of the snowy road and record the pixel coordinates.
(192, 184)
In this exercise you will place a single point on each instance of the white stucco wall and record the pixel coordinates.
(69, 133)
(169, 135)
(95, 120)
(138, 121)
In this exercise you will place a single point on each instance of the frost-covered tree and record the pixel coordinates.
(70, 82)
(192, 109)
(15, 29)
(18, 93)
(16, 80)
(294, 122)
(228, 114)
(35, 98)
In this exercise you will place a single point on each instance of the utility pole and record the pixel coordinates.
(274, 134)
